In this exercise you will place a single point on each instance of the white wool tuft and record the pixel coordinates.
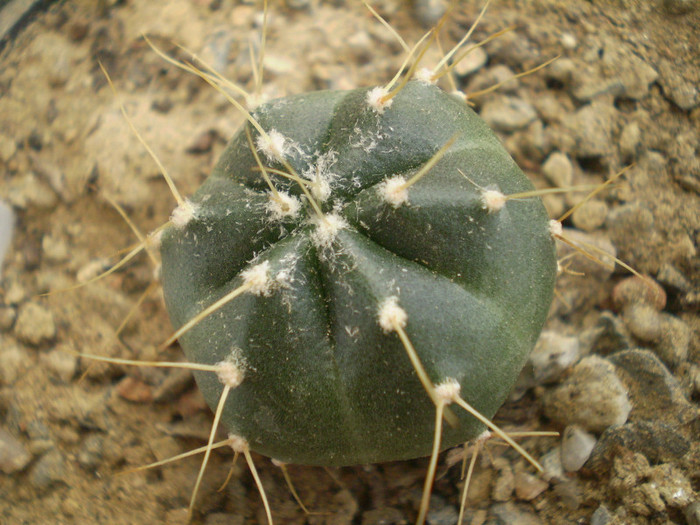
(426, 75)
(493, 200)
(555, 228)
(448, 390)
(391, 315)
(183, 214)
(258, 279)
(327, 227)
(393, 190)
(374, 99)
(229, 373)
(283, 205)
(274, 145)
(238, 443)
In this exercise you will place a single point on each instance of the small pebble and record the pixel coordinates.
(609, 335)
(553, 354)
(504, 484)
(655, 393)
(591, 396)
(561, 70)
(551, 463)
(576, 447)
(203, 142)
(568, 41)
(40, 437)
(692, 513)
(28, 191)
(472, 62)
(134, 390)
(513, 514)
(428, 12)
(35, 324)
(61, 363)
(695, 376)
(644, 322)
(90, 452)
(590, 216)
(54, 249)
(13, 362)
(444, 515)
(674, 343)
(630, 140)
(593, 128)
(633, 290)
(558, 169)
(480, 486)
(7, 317)
(48, 470)
(14, 293)
(475, 516)
(503, 75)
(508, 114)
(601, 516)
(7, 227)
(528, 487)
(14, 456)
(569, 493)
(177, 517)
(671, 277)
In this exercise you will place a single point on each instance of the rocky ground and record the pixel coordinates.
(616, 371)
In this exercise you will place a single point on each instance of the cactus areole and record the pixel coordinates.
(323, 383)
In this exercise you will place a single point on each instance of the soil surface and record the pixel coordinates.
(617, 370)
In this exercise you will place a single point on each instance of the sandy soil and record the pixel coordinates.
(624, 91)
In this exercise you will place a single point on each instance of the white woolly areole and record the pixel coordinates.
(282, 205)
(327, 227)
(374, 99)
(238, 443)
(555, 228)
(493, 200)
(393, 190)
(183, 214)
(448, 390)
(274, 145)
(426, 75)
(257, 278)
(321, 175)
(484, 436)
(277, 462)
(391, 315)
(461, 95)
(321, 190)
(229, 373)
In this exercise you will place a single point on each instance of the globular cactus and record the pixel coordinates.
(310, 259)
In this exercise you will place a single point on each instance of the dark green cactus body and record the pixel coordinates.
(324, 384)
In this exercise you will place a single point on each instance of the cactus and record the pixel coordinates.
(329, 213)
